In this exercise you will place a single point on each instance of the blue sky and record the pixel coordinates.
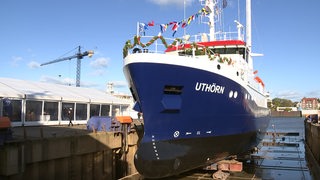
(34, 32)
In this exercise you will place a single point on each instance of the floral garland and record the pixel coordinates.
(136, 41)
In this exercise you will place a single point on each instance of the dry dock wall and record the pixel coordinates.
(286, 114)
(312, 137)
(91, 156)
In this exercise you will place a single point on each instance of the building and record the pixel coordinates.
(36, 103)
(309, 103)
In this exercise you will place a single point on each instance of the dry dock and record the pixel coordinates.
(62, 152)
(282, 156)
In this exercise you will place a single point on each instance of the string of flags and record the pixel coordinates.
(174, 24)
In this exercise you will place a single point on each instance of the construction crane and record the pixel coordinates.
(79, 56)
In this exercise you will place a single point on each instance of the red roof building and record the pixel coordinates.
(309, 103)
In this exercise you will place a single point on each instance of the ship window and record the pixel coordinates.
(220, 50)
(230, 50)
(189, 52)
(168, 89)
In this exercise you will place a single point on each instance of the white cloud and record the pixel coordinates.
(289, 94)
(98, 72)
(58, 80)
(33, 65)
(66, 81)
(15, 60)
(100, 63)
(171, 2)
(313, 94)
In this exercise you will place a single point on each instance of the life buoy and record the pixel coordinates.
(259, 80)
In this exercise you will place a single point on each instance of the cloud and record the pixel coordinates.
(33, 65)
(313, 94)
(172, 2)
(66, 81)
(15, 60)
(58, 80)
(100, 63)
(99, 72)
(289, 94)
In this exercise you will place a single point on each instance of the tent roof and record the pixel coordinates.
(14, 88)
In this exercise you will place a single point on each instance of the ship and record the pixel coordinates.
(200, 97)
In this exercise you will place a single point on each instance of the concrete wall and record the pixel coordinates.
(286, 114)
(90, 156)
(312, 133)
(312, 137)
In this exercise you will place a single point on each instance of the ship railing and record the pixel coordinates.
(155, 44)
(229, 36)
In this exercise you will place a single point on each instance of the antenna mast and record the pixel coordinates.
(248, 31)
(211, 5)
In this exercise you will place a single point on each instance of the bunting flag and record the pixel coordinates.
(191, 18)
(175, 28)
(151, 23)
(175, 25)
(184, 24)
(163, 27)
(142, 28)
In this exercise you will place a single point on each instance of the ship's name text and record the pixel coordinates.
(213, 88)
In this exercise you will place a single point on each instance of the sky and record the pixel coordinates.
(33, 32)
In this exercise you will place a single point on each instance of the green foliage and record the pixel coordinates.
(278, 102)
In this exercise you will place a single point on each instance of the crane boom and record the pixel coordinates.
(79, 56)
(58, 60)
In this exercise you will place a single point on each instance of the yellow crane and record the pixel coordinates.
(79, 56)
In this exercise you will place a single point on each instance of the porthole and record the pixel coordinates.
(218, 66)
(230, 94)
(237, 73)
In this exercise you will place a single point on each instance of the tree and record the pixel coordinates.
(278, 102)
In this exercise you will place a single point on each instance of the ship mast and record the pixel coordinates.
(211, 5)
(248, 32)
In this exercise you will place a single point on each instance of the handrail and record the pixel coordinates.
(153, 46)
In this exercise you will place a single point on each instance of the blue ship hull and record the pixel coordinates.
(192, 117)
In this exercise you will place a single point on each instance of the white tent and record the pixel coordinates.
(14, 88)
(40, 94)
